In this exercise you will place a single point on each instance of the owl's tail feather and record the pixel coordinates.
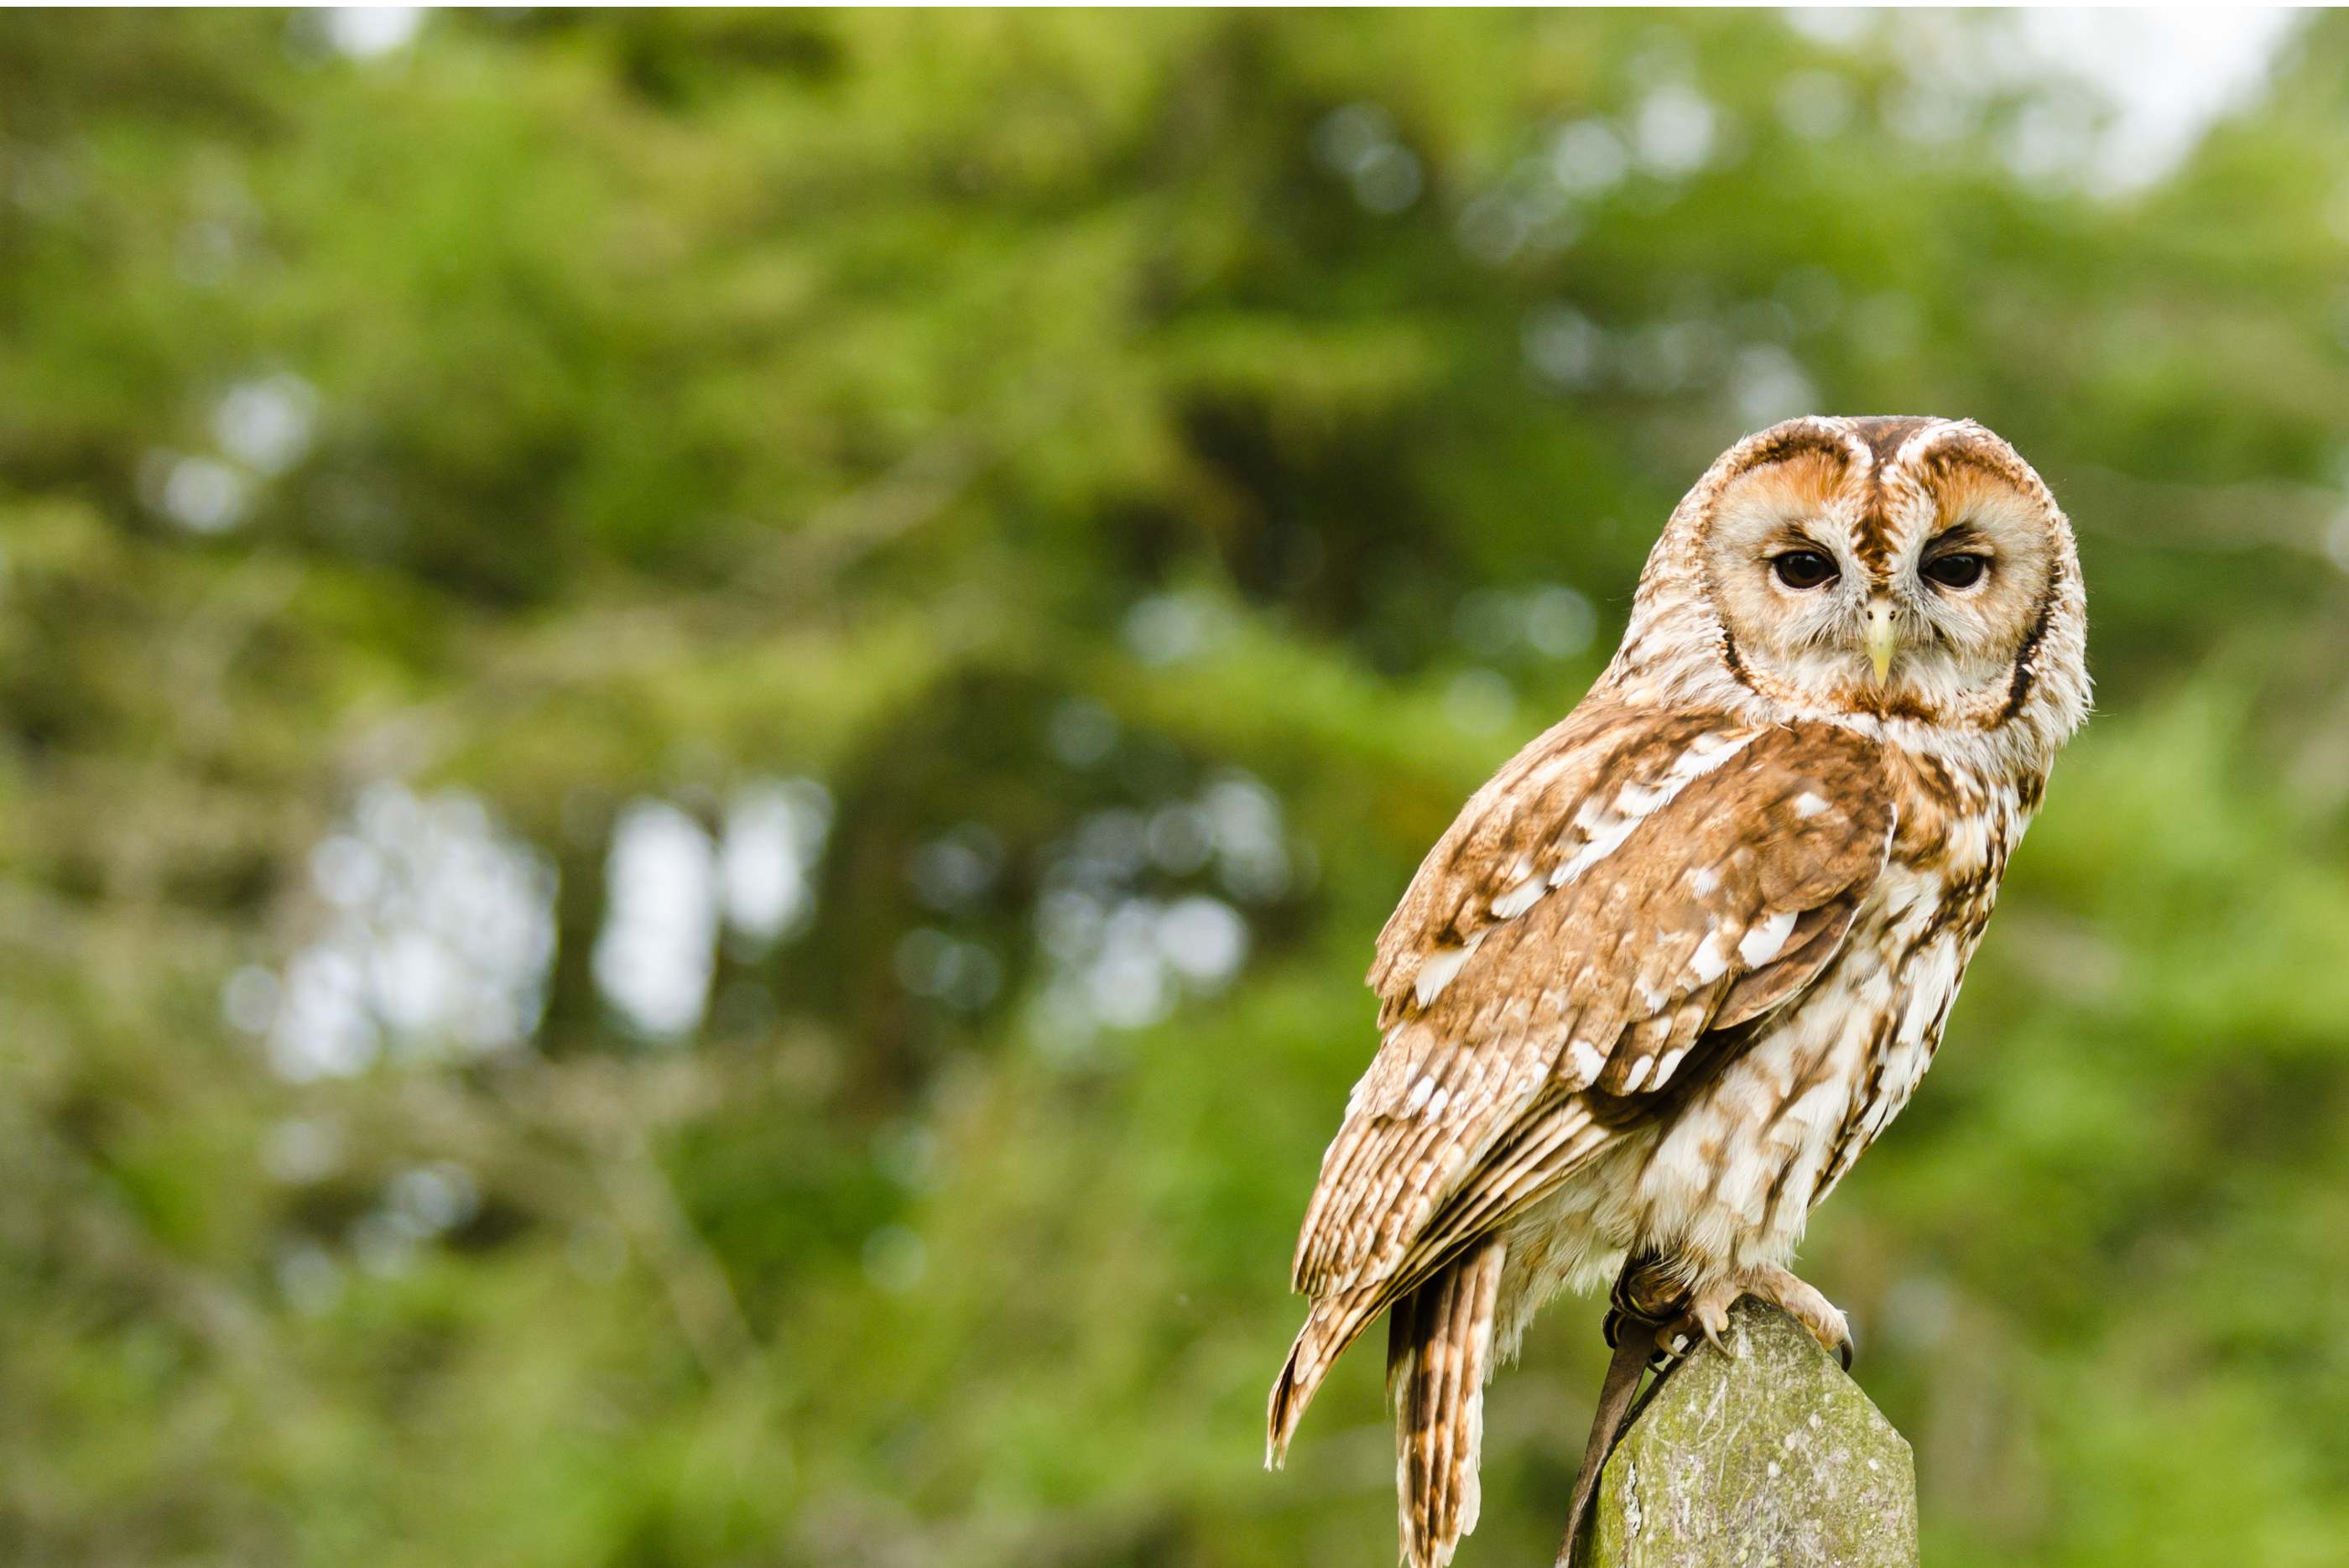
(1335, 1323)
(1439, 1354)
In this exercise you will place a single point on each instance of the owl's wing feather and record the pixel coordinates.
(1633, 883)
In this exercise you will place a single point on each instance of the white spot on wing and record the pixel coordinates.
(1639, 800)
(1703, 880)
(1709, 963)
(1418, 1096)
(1604, 841)
(1638, 1074)
(1707, 753)
(1768, 935)
(1437, 969)
(1519, 899)
(1808, 804)
(1586, 1060)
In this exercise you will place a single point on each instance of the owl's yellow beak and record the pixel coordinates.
(1882, 640)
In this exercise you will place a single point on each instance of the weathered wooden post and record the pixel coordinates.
(1771, 1459)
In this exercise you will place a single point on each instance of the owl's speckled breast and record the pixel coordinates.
(1730, 1181)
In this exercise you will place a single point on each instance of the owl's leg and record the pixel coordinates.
(1801, 1300)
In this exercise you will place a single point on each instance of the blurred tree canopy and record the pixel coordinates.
(703, 716)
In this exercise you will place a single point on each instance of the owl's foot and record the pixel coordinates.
(1703, 1313)
(1801, 1300)
(1705, 1316)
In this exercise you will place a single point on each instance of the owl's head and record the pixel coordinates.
(1903, 569)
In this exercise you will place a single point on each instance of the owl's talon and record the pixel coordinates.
(1801, 1300)
(1705, 1317)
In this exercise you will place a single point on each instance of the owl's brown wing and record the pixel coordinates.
(1630, 881)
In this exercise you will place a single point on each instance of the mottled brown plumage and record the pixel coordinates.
(1685, 956)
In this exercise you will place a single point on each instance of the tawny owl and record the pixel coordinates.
(1689, 952)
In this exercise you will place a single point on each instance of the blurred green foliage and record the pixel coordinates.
(1039, 519)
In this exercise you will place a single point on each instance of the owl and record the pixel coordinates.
(1688, 953)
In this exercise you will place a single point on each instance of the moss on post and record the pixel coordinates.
(1773, 1459)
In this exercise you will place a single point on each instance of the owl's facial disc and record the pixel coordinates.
(1846, 591)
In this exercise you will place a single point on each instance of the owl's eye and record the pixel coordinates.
(1955, 571)
(1804, 568)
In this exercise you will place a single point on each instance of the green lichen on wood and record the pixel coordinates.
(1773, 1459)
